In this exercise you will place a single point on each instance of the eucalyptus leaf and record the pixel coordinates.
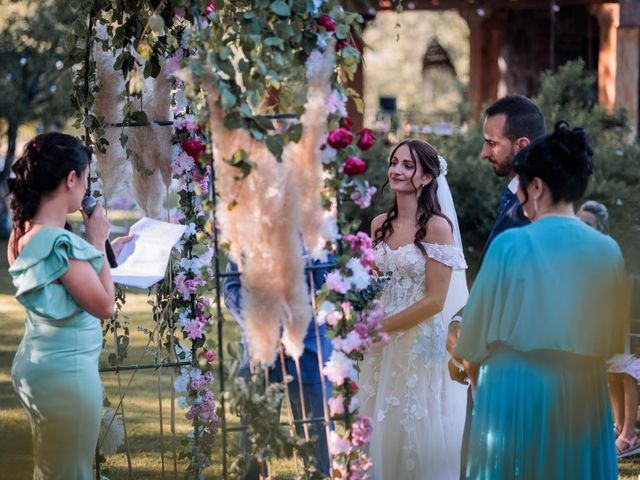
(281, 8)
(263, 122)
(227, 99)
(156, 23)
(276, 146)
(274, 42)
(140, 117)
(342, 31)
(294, 132)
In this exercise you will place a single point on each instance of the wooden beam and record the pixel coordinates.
(365, 6)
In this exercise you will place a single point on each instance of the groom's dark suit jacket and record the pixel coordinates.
(510, 215)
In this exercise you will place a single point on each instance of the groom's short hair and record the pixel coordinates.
(524, 118)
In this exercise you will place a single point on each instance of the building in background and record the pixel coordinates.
(510, 42)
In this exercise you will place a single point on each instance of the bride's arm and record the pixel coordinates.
(437, 278)
(376, 223)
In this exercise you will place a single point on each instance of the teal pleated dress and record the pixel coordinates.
(55, 371)
(545, 311)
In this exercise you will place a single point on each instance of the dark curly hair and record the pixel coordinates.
(563, 160)
(46, 161)
(428, 204)
(524, 118)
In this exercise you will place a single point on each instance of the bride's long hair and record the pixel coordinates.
(428, 204)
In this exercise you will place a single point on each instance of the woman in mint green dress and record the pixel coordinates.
(64, 284)
(546, 310)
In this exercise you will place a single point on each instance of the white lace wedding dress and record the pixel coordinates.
(417, 411)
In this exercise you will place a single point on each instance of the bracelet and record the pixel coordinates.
(457, 364)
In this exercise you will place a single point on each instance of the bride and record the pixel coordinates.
(417, 410)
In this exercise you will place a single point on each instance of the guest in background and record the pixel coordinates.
(595, 215)
(545, 312)
(624, 369)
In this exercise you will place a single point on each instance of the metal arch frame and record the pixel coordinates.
(225, 430)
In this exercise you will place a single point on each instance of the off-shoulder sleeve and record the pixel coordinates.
(448, 255)
(43, 261)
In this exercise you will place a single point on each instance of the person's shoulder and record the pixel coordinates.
(438, 231)
(601, 241)
(377, 222)
(48, 238)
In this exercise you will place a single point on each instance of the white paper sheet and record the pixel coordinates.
(143, 261)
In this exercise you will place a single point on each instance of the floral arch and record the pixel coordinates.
(241, 107)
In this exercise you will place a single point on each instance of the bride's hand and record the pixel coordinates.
(456, 374)
(453, 335)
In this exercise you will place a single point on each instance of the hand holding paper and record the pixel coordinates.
(143, 261)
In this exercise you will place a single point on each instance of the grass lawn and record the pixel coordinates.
(141, 406)
(142, 409)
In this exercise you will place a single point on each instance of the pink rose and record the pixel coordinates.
(339, 138)
(368, 258)
(337, 282)
(209, 9)
(367, 139)
(361, 431)
(358, 242)
(346, 122)
(327, 22)
(194, 148)
(208, 355)
(361, 329)
(338, 445)
(343, 43)
(353, 387)
(336, 405)
(354, 166)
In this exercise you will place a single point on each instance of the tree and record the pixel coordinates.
(33, 83)
(567, 95)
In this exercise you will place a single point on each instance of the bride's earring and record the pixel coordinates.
(535, 208)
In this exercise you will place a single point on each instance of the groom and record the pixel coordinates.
(510, 124)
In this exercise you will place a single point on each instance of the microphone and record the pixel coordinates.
(88, 205)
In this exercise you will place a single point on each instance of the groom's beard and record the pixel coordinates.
(505, 167)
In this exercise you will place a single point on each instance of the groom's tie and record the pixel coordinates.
(504, 200)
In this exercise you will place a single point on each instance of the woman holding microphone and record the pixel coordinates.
(65, 285)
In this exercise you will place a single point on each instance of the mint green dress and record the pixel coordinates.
(545, 312)
(55, 371)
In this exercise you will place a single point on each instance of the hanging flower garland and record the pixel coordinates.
(347, 307)
(192, 275)
(346, 299)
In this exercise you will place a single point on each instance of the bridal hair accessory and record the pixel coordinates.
(443, 165)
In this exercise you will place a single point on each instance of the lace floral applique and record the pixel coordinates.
(449, 255)
(395, 382)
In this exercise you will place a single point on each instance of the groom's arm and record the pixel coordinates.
(456, 368)
(231, 292)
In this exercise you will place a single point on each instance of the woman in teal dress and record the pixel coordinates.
(64, 284)
(546, 310)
